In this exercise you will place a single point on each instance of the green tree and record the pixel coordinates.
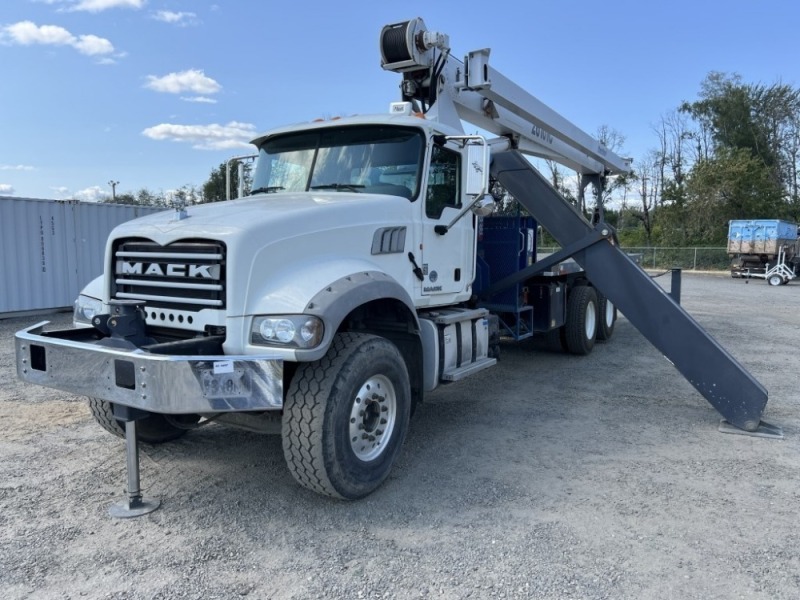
(758, 118)
(214, 189)
(732, 185)
(736, 159)
(143, 197)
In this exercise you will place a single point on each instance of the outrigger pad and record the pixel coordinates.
(764, 430)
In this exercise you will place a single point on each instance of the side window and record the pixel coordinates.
(444, 182)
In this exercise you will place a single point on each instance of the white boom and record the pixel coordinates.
(450, 90)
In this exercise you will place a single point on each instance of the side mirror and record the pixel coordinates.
(477, 170)
(483, 206)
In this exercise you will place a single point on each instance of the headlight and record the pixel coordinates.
(85, 308)
(295, 331)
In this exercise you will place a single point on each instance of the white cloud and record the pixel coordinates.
(182, 19)
(28, 33)
(6, 189)
(91, 45)
(61, 191)
(95, 6)
(205, 137)
(192, 80)
(91, 194)
(16, 168)
(201, 99)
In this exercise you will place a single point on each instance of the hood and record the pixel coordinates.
(225, 220)
(281, 249)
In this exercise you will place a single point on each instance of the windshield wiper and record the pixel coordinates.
(353, 187)
(266, 190)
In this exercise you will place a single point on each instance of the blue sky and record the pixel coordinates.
(155, 93)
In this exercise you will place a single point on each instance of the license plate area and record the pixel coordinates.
(232, 384)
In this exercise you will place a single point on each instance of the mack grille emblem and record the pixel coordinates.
(168, 270)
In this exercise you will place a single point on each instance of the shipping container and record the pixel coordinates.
(50, 249)
(761, 236)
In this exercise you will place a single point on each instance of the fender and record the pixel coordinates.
(96, 289)
(333, 303)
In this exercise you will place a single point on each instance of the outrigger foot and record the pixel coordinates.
(764, 430)
(134, 505)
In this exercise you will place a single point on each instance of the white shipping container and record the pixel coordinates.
(50, 249)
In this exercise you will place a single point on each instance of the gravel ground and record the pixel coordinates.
(549, 476)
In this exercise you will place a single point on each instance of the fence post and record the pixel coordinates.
(675, 286)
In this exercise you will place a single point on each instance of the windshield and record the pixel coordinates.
(367, 159)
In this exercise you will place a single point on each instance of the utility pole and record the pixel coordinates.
(113, 185)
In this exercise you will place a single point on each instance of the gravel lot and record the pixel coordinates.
(549, 476)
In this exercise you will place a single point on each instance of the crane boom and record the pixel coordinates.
(450, 90)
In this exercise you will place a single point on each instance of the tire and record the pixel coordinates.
(345, 417)
(580, 330)
(607, 313)
(154, 429)
(775, 280)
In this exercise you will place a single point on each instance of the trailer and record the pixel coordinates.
(764, 248)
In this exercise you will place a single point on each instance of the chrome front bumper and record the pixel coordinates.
(71, 360)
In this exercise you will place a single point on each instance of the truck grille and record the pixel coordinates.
(186, 275)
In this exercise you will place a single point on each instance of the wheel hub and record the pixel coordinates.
(372, 418)
(609, 313)
(591, 320)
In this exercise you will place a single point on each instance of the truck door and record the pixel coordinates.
(447, 260)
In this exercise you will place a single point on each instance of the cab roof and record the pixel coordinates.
(429, 127)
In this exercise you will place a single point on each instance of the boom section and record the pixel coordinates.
(450, 90)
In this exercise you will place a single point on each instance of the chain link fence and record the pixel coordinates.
(688, 259)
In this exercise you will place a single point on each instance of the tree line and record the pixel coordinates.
(213, 190)
(730, 154)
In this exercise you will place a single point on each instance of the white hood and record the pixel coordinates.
(283, 248)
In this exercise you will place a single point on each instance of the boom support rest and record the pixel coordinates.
(736, 394)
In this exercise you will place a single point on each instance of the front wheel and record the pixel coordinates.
(345, 417)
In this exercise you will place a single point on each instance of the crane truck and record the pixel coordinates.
(360, 273)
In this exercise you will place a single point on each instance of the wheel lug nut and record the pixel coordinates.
(364, 436)
(383, 421)
(384, 408)
(372, 438)
(379, 432)
(361, 426)
(361, 413)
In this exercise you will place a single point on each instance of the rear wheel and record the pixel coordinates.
(775, 280)
(154, 429)
(580, 330)
(345, 417)
(608, 317)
